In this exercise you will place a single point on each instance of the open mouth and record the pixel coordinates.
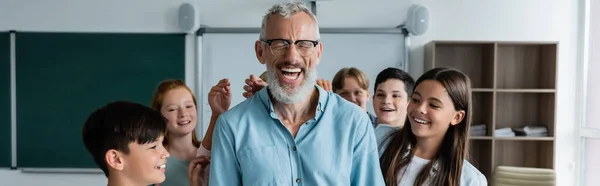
(387, 110)
(291, 73)
(161, 167)
(421, 121)
(184, 122)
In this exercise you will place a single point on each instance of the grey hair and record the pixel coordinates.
(286, 10)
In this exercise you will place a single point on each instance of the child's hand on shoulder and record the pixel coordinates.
(197, 171)
(219, 97)
(253, 85)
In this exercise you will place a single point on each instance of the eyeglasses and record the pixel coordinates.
(281, 46)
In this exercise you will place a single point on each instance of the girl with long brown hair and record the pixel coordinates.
(432, 146)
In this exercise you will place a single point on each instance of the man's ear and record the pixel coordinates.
(258, 49)
(319, 52)
(114, 159)
(458, 117)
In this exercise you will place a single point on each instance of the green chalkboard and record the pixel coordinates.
(5, 129)
(63, 77)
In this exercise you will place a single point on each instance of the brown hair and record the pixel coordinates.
(159, 95)
(338, 80)
(454, 148)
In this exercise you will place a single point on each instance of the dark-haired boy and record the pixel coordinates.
(125, 141)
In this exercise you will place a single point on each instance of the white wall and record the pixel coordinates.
(514, 20)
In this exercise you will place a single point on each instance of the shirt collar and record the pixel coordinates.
(264, 97)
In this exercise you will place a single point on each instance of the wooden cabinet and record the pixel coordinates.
(514, 85)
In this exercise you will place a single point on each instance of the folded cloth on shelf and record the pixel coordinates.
(478, 130)
(479, 127)
(536, 131)
(537, 135)
(478, 133)
(504, 132)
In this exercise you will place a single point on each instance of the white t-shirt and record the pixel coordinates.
(470, 176)
(414, 168)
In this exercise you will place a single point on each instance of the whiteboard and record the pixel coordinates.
(231, 55)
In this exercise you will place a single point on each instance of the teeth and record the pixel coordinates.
(421, 121)
(183, 122)
(290, 70)
(290, 77)
(161, 166)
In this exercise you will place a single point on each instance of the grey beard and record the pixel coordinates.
(283, 93)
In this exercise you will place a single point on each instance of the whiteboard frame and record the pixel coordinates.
(246, 30)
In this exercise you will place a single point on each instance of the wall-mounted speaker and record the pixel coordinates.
(417, 21)
(188, 18)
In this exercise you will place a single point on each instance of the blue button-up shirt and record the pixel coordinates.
(251, 146)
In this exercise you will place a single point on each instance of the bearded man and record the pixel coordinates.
(293, 132)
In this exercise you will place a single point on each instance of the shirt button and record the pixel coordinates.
(294, 148)
(297, 180)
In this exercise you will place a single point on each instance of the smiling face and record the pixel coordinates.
(390, 102)
(352, 92)
(146, 162)
(179, 109)
(431, 110)
(139, 164)
(291, 71)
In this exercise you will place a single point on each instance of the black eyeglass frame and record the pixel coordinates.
(289, 42)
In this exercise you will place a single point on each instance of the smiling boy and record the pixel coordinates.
(125, 141)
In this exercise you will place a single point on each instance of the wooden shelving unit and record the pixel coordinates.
(514, 85)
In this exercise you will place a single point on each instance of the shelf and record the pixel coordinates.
(538, 154)
(482, 103)
(481, 137)
(524, 138)
(458, 42)
(527, 90)
(514, 90)
(513, 85)
(516, 110)
(526, 66)
(482, 90)
(525, 43)
(474, 59)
